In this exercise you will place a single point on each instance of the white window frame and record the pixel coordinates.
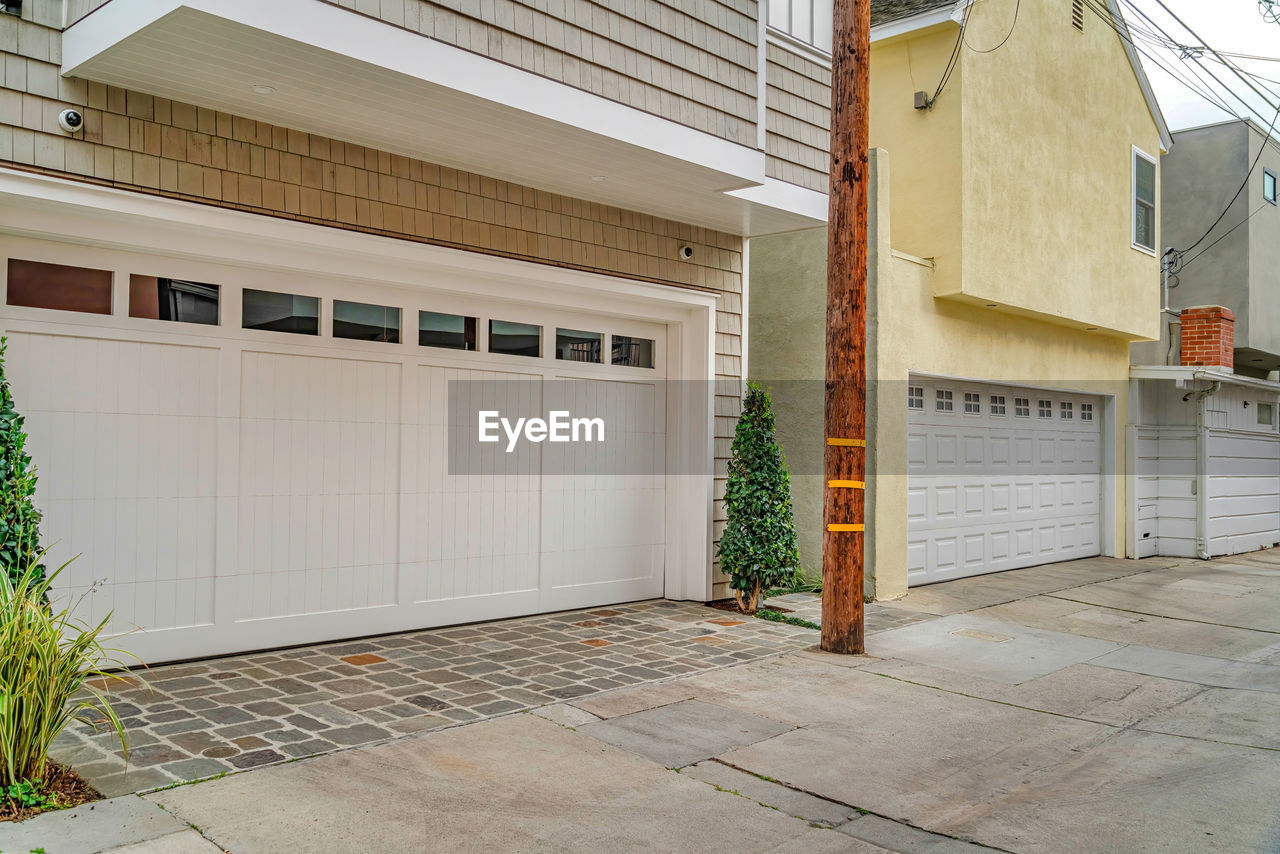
(1086, 412)
(1025, 404)
(915, 397)
(943, 396)
(996, 405)
(826, 13)
(1135, 153)
(1044, 406)
(1275, 185)
(972, 399)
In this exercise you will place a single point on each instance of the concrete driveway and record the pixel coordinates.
(1096, 706)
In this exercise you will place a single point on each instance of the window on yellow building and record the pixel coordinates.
(1144, 201)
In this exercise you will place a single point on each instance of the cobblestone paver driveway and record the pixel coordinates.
(192, 721)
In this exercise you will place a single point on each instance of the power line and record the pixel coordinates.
(951, 62)
(1012, 25)
(1173, 257)
(1183, 265)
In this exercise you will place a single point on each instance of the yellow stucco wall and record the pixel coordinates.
(1048, 121)
(926, 199)
(917, 333)
(1016, 189)
(1016, 184)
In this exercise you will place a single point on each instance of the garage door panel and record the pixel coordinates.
(1025, 490)
(126, 471)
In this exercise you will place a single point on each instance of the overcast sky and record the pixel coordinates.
(1227, 25)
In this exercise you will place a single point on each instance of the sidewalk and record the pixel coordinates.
(1133, 711)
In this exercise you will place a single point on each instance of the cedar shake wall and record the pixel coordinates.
(152, 145)
(797, 118)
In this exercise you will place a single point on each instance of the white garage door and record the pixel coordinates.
(999, 478)
(231, 488)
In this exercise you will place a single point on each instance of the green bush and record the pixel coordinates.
(19, 518)
(46, 660)
(758, 549)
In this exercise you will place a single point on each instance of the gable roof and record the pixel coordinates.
(886, 11)
(894, 17)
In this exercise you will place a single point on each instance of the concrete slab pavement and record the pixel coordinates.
(102, 826)
(1046, 724)
(517, 783)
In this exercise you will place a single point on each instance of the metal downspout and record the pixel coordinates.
(1202, 472)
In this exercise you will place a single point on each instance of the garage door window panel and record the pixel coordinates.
(515, 339)
(448, 331)
(943, 401)
(1046, 409)
(174, 300)
(58, 286)
(629, 351)
(997, 404)
(278, 312)
(1022, 407)
(915, 397)
(575, 345)
(972, 403)
(365, 322)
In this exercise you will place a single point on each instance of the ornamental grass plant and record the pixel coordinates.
(53, 670)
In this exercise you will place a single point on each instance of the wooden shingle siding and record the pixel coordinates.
(690, 61)
(797, 118)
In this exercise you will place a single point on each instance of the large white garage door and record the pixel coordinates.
(231, 488)
(999, 478)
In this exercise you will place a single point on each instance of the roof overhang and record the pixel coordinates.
(1188, 373)
(340, 74)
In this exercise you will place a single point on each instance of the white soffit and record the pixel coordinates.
(351, 77)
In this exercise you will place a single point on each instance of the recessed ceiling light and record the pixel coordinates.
(598, 178)
(1091, 329)
(991, 305)
(263, 89)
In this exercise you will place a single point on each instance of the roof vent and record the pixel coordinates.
(1077, 14)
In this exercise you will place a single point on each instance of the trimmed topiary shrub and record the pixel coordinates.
(758, 549)
(19, 518)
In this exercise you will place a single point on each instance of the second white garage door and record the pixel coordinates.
(999, 478)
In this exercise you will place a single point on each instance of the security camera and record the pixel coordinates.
(71, 121)
(686, 252)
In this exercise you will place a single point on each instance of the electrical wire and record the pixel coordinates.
(952, 60)
(1173, 258)
(1012, 25)
(1184, 264)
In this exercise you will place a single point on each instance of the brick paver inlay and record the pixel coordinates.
(192, 721)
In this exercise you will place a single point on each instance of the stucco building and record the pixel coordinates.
(1014, 261)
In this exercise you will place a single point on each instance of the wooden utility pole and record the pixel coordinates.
(845, 463)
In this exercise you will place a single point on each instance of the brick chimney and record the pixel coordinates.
(1208, 337)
